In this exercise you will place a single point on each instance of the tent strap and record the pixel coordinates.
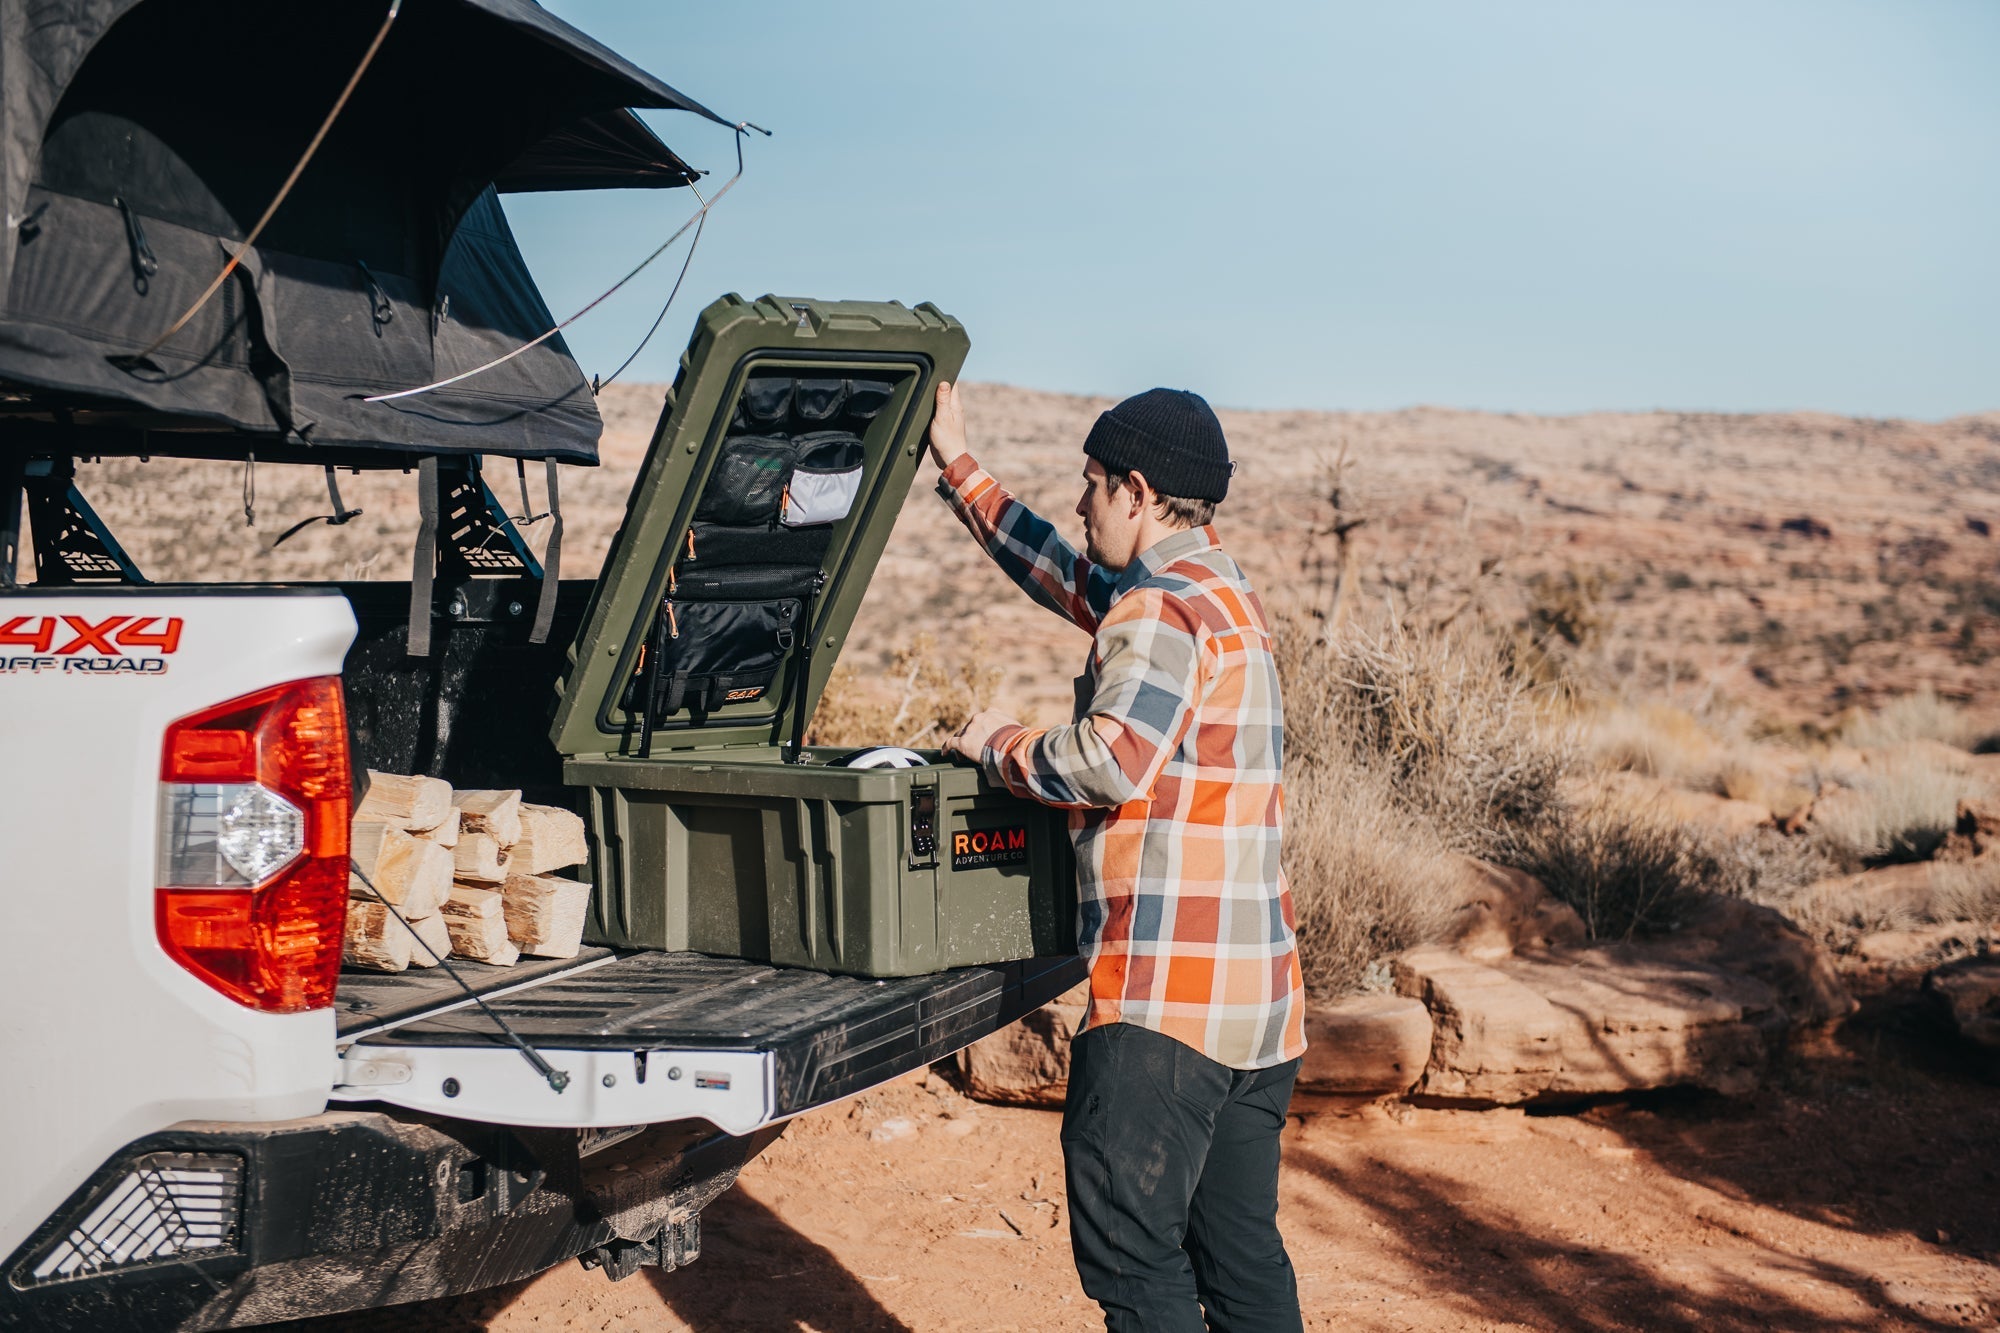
(423, 569)
(545, 604)
(340, 516)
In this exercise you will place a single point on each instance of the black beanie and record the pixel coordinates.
(1172, 436)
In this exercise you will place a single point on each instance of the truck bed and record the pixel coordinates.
(808, 1038)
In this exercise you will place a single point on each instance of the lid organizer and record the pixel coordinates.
(783, 455)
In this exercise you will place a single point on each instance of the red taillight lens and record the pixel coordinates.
(253, 845)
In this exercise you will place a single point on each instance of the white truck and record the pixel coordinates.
(205, 1131)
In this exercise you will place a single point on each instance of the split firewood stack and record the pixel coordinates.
(468, 871)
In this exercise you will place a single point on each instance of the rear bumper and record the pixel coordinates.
(370, 1207)
(353, 1210)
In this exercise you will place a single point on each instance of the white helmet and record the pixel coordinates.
(887, 756)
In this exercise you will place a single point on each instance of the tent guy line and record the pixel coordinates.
(741, 128)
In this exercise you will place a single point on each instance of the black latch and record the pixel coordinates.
(923, 827)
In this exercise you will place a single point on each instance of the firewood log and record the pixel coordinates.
(409, 871)
(445, 834)
(551, 839)
(545, 914)
(477, 921)
(375, 939)
(408, 803)
(433, 942)
(495, 812)
(478, 859)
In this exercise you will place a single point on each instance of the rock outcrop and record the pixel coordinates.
(1025, 1063)
(1494, 1040)
(1967, 993)
(1629, 1019)
(1365, 1046)
(1742, 937)
(1587, 1021)
(1500, 910)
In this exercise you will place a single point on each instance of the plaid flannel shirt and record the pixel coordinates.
(1171, 772)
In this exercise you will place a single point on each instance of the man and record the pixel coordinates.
(1181, 1076)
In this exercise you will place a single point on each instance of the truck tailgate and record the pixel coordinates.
(650, 1037)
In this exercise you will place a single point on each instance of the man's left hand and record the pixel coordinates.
(978, 729)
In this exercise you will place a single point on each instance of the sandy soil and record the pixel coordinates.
(1857, 1192)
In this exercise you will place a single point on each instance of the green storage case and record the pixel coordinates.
(707, 832)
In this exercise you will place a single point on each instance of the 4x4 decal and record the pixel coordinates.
(111, 646)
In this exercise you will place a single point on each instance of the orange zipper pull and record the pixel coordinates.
(673, 622)
(673, 581)
(690, 543)
(785, 499)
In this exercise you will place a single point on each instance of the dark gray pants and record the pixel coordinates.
(1172, 1161)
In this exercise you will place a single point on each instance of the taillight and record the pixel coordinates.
(252, 867)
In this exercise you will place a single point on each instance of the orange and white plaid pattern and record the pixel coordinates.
(1172, 773)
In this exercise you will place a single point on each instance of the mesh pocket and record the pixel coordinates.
(825, 481)
(748, 481)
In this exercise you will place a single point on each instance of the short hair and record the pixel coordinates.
(1178, 510)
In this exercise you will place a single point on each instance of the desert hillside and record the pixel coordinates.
(1795, 564)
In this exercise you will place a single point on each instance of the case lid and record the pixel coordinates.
(878, 342)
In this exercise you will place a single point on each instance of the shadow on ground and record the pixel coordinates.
(778, 1281)
(1885, 1133)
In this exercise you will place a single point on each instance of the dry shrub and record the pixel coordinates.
(1899, 808)
(1967, 891)
(1448, 733)
(1660, 742)
(1461, 740)
(1367, 880)
(1634, 870)
(1624, 870)
(922, 700)
(1913, 717)
(1401, 748)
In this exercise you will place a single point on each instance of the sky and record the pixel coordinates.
(1541, 207)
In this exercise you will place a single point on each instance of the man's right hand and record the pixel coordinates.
(947, 426)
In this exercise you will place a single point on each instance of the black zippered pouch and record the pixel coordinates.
(708, 546)
(722, 636)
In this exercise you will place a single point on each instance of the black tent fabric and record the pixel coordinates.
(141, 139)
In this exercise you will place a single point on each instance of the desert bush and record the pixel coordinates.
(1967, 891)
(921, 700)
(1631, 870)
(1367, 881)
(1899, 808)
(1459, 739)
(1625, 871)
(1446, 733)
(1402, 747)
(1661, 742)
(1913, 717)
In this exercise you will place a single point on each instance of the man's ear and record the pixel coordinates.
(1141, 489)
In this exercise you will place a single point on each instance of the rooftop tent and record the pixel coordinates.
(142, 139)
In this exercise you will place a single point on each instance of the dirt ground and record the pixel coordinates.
(1859, 1190)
